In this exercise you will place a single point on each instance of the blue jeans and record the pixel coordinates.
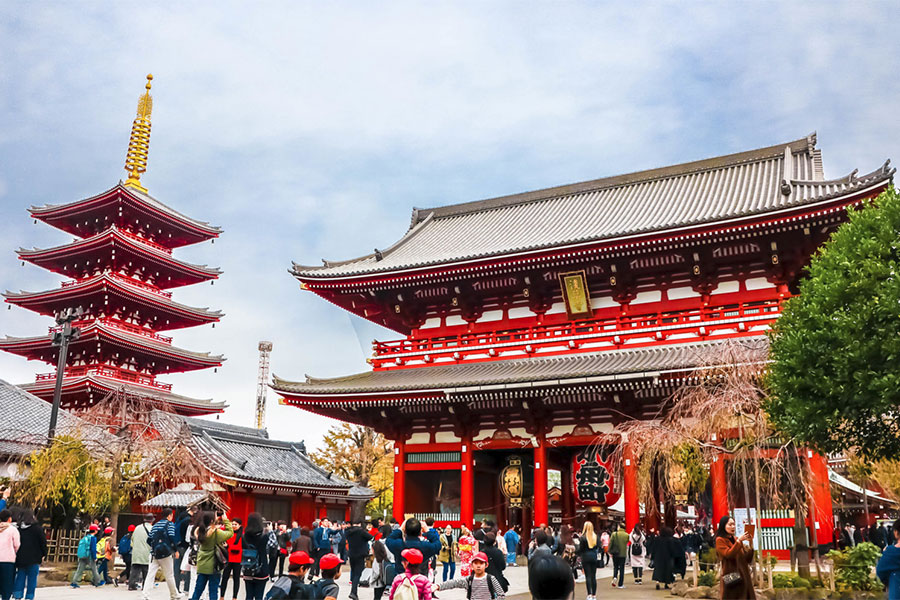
(7, 575)
(452, 567)
(26, 576)
(202, 580)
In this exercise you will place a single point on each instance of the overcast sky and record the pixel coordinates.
(310, 130)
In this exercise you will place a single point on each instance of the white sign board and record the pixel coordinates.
(741, 517)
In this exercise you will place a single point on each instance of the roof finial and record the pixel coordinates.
(139, 142)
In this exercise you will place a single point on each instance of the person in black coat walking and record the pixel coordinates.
(496, 559)
(31, 553)
(357, 540)
(668, 558)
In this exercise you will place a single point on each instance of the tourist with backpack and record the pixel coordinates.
(479, 585)
(255, 567)
(87, 557)
(163, 549)
(214, 531)
(380, 560)
(125, 553)
(618, 549)
(292, 585)
(233, 566)
(106, 551)
(326, 588)
(411, 584)
(140, 553)
(638, 553)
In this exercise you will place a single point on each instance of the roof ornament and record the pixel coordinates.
(787, 173)
(139, 142)
(378, 255)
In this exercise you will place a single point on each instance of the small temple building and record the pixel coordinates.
(119, 271)
(534, 323)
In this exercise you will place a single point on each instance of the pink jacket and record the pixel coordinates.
(9, 542)
(422, 584)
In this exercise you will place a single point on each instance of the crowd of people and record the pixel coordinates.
(205, 555)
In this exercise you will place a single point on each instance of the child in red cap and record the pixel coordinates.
(479, 585)
(411, 583)
(291, 585)
(330, 568)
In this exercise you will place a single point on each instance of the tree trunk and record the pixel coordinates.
(758, 520)
(865, 531)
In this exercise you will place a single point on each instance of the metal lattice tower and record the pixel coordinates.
(262, 386)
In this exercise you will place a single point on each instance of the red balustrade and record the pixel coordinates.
(144, 240)
(619, 328)
(120, 325)
(111, 372)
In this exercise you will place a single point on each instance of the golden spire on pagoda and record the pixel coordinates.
(139, 143)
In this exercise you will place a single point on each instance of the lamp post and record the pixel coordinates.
(61, 338)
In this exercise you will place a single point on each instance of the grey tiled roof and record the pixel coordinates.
(248, 456)
(622, 364)
(25, 420)
(182, 499)
(693, 193)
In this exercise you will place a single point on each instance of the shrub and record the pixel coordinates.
(853, 567)
(708, 559)
(791, 580)
(707, 578)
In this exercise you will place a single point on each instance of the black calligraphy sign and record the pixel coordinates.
(592, 479)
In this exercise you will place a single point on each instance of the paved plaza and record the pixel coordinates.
(518, 578)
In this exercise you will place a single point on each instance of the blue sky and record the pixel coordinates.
(309, 130)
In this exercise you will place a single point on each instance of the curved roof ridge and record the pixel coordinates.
(144, 197)
(804, 144)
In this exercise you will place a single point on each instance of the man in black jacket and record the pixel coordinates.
(357, 550)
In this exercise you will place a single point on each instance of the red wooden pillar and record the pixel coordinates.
(541, 500)
(323, 511)
(632, 507)
(347, 513)
(467, 484)
(719, 485)
(820, 498)
(399, 479)
(567, 500)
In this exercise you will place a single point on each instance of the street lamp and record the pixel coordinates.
(61, 338)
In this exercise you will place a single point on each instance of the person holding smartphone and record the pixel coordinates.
(735, 553)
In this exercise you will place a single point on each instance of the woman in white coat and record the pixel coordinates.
(638, 552)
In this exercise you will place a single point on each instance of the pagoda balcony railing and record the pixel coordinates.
(120, 325)
(618, 330)
(111, 372)
(144, 240)
(126, 279)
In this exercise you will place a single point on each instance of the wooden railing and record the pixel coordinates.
(126, 279)
(62, 545)
(616, 329)
(144, 240)
(120, 325)
(111, 372)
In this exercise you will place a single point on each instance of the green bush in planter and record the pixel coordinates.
(790, 580)
(853, 567)
(709, 559)
(706, 578)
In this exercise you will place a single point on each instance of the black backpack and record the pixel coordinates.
(471, 578)
(160, 545)
(251, 562)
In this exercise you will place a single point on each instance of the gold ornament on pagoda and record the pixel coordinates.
(512, 481)
(139, 142)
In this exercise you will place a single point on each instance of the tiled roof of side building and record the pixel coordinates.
(248, 456)
(594, 366)
(689, 194)
(26, 419)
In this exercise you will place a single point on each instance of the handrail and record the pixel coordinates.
(111, 372)
(121, 325)
(124, 278)
(144, 240)
(619, 325)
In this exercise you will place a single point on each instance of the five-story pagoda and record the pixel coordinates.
(120, 269)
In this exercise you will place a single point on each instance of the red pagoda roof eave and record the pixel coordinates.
(50, 211)
(113, 233)
(703, 230)
(73, 384)
(101, 282)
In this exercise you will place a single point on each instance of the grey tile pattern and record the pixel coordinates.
(537, 370)
(682, 195)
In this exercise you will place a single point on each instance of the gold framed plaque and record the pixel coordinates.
(575, 294)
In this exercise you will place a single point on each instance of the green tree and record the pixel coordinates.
(835, 375)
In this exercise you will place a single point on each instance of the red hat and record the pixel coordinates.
(480, 556)
(131, 529)
(330, 561)
(93, 528)
(300, 558)
(108, 530)
(413, 556)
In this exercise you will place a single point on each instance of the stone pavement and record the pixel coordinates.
(518, 578)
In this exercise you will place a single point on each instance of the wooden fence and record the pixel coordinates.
(62, 545)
